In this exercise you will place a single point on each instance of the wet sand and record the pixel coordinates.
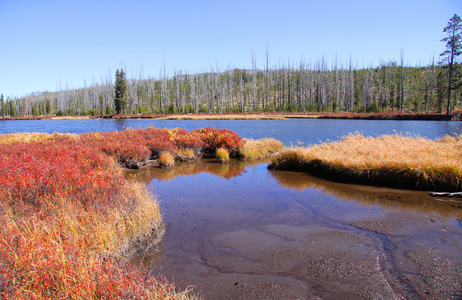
(253, 237)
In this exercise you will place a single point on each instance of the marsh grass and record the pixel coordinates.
(186, 155)
(258, 149)
(391, 160)
(222, 155)
(166, 160)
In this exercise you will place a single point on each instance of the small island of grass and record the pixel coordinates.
(392, 160)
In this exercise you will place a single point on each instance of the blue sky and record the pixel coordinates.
(43, 43)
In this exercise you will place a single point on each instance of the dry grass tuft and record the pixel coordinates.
(166, 160)
(258, 149)
(222, 155)
(186, 155)
(390, 160)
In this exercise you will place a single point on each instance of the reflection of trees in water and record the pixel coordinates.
(233, 169)
(386, 197)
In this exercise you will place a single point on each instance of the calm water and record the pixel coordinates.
(287, 131)
(236, 231)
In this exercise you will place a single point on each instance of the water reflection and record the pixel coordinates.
(362, 195)
(233, 169)
(369, 195)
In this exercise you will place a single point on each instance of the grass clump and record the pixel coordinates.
(258, 149)
(166, 160)
(390, 160)
(222, 155)
(185, 155)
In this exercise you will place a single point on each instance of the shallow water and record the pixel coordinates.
(239, 231)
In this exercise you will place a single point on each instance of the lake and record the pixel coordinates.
(240, 231)
(308, 132)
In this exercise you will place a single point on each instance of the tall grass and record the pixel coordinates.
(222, 155)
(258, 149)
(166, 160)
(390, 160)
(67, 218)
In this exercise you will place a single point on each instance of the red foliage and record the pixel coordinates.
(125, 146)
(156, 140)
(39, 258)
(215, 138)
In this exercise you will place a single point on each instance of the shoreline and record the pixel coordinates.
(391, 115)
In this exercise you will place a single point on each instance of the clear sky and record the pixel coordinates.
(44, 42)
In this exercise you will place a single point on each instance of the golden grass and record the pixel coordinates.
(258, 149)
(391, 160)
(166, 159)
(12, 138)
(222, 155)
(186, 154)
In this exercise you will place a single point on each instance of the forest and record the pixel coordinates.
(299, 87)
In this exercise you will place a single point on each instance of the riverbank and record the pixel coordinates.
(391, 115)
(392, 160)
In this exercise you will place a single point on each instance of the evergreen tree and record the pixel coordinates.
(2, 106)
(35, 111)
(48, 107)
(453, 49)
(120, 99)
(13, 109)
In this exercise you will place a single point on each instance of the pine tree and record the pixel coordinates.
(453, 49)
(13, 109)
(120, 99)
(2, 105)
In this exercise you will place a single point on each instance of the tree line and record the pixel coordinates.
(310, 87)
(316, 86)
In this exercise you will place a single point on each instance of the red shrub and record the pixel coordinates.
(214, 138)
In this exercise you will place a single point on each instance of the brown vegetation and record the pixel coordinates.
(392, 160)
(258, 149)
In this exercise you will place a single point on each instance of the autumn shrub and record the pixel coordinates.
(222, 155)
(389, 160)
(157, 140)
(66, 216)
(187, 140)
(214, 138)
(258, 149)
(127, 147)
